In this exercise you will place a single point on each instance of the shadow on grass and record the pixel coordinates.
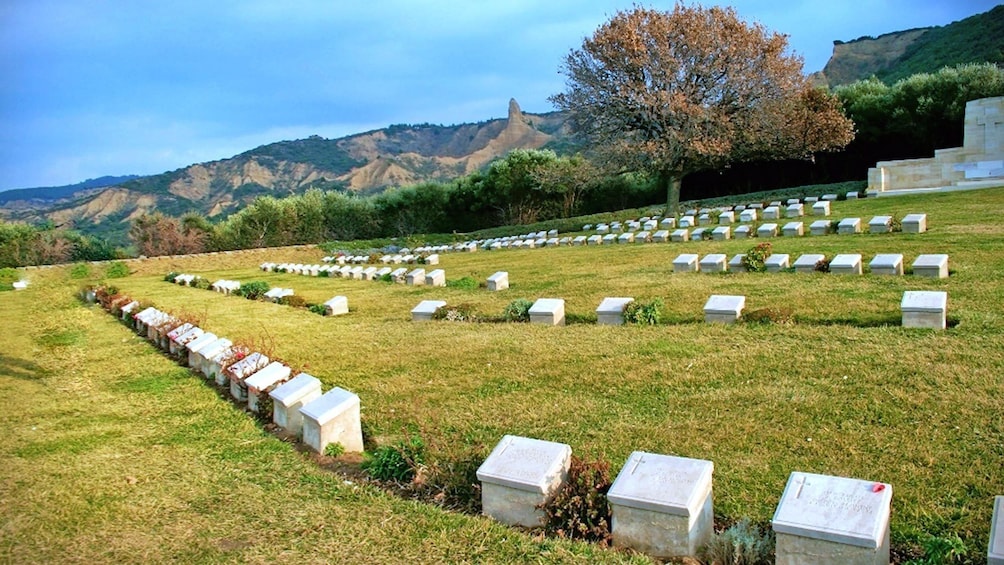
(22, 369)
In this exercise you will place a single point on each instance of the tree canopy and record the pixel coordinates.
(672, 93)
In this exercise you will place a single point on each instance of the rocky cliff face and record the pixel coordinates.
(865, 57)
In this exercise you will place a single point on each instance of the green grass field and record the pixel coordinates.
(113, 452)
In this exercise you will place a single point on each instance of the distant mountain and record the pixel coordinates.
(897, 55)
(49, 194)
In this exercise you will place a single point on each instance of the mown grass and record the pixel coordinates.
(844, 391)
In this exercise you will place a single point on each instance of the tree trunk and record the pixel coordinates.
(672, 183)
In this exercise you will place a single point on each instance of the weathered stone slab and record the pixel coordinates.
(924, 309)
(772, 213)
(935, 266)
(627, 237)
(686, 263)
(736, 263)
(436, 277)
(336, 306)
(704, 219)
(426, 309)
(595, 239)
(887, 264)
(830, 197)
(432, 259)
(415, 278)
(721, 233)
(240, 370)
(723, 309)
(698, 234)
(178, 344)
(915, 223)
(548, 311)
(796, 210)
(820, 227)
(821, 208)
(806, 263)
(680, 235)
(748, 215)
(852, 195)
(742, 232)
(995, 548)
(289, 397)
(610, 239)
(579, 240)
(726, 218)
(263, 381)
(668, 223)
(519, 476)
(849, 226)
(196, 345)
(661, 236)
(846, 264)
(661, 505)
(687, 222)
(767, 231)
(713, 263)
(643, 237)
(498, 281)
(611, 311)
(832, 520)
(880, 224)
(333, 418)
(793, 229)
(777, 262)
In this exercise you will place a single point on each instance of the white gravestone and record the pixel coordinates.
(397, 275)
(175, 334)
(852, 195)
(610, 239)
(795, 210)
(263, 381)
(915, 223)
(680, 235)
(126, 310)
(548, 311)
(369, 273)
(595, 240)
(436, 277)
(849, 226)
(995, 548)
(806, 263)
(880, 224)
(747, 215)
(821, 208)
(240, 370)
(498, 281)
(416, 277)
(721, 233)
(381, 272)
(668, 223)
(771, 213)
(195, 346)
(714, 263)
(610, 312)
(661, 505)
(723, 309)
(579, 240)
(793, 229)
(726, 218)
(178, 344)
(333, 418)
(767, 230)
(935, 266)
(661, 236)
(627, 237)
(519, 476)
(426, 309)
(687, 222)
(432, 259)
(704, 220)
(832, 520)
(777, 262)
(685, 263)
(736, 263)
(887, 264)
(924, 309)
(336, 306)
(820, 227)
(742, 232)
(214, 364)
(830, 197)
(846, 264)
(289, 397)
(643, 237)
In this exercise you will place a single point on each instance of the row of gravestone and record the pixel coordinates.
(334, 307)
(404, 256)
(414, 277)
(297, 402)
(928, 265)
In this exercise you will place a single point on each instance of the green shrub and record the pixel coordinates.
(465, 283)
(643, 313)
(398, 462)
(171, 276)
(764, 316)
(741, 544)
(8, 276)
(80, 271)
(386, 278)
(755, 259)
(117, 270)
(201, 283)
(942, 550)
(579, 510)
(318, 309)
(517, 311)
(253, 290)
(324, 273)
(458, 313)
(293, 301)
(334, 450)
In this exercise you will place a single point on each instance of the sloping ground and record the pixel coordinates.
(842, 391)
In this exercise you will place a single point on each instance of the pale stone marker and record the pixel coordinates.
(832, 521)
(398, 275)
(723, 309)
(698, 234)
(661, 505)
(126, 310)
(704, 219)
(680, 235)
(880, 224)
(661, 236)
(915, 223)
(668, 223)
(777, 262)
(736, 263)
(177, 346)
(995, 548)
(239, 371)
(553, 242)
(714, 263)
(807, 263)
(821, 208)
(852, 195)
(263, 381)
(336, 306)
(175, 334)
(195, 347)
(811, 199)
(830, 197)
(357, 273)
(426, 309)
(820, 227)
(498, 281)
(369, 273)
(626, 237)
(935, 266)
(726, 218)
(846, 264)
(687, 222)
(924, 309)
(887, 264)
(721, 233)
(793, 229)
(432, 259)
(595, 239)
(610, 312)
(333, 418)
(416, 277)
(381, 272)
(436, 278)
(767, 230)
(519, 476)
(548, 311)
(579, 240)
(643, 237)
(289, 397)
(685, 263)
(743, 232)
(602, 228)
(748, 215)
(610, 239)
(792, 201)
(849, 226)
(795, 210)
(771, 213)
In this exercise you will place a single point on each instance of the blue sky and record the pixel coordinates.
(110, 87)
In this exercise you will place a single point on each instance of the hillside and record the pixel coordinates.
(27, 198)
(394, 156)
(897, 55)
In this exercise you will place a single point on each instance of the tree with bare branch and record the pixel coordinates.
(671, 93)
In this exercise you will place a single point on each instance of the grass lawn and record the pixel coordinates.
(113, 452)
